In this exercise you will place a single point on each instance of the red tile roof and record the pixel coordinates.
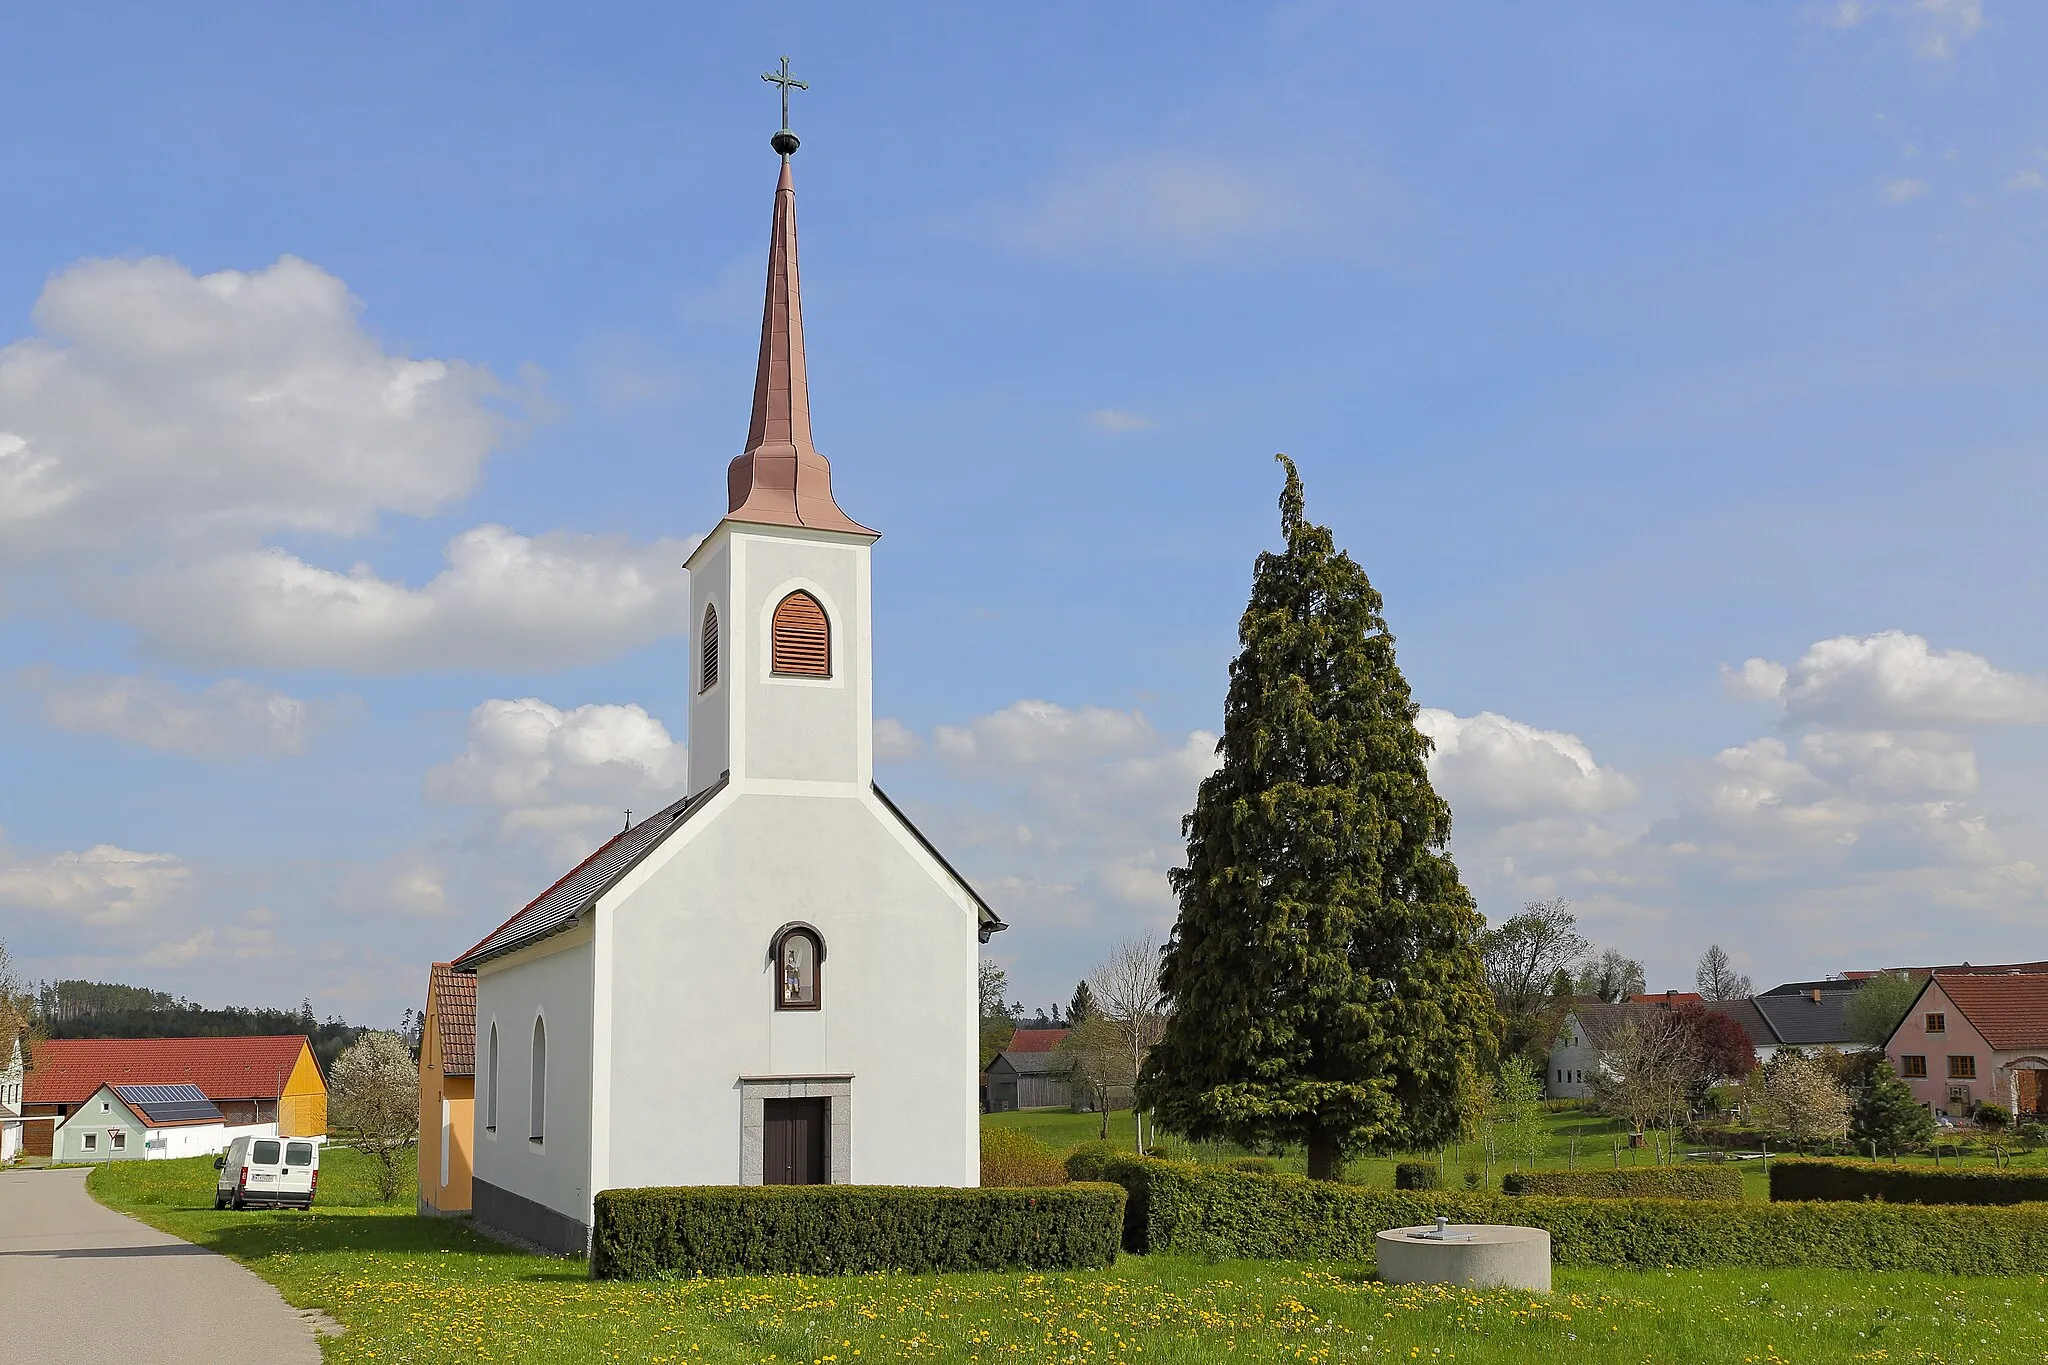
(452, 996)
(2011, 1011)
(69, 1070)
(1671, 998)
(1035, 1039)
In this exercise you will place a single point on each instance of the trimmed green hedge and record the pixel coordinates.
(1630, 1182)
(1194, 1210)
(849, 1229)
(1830, 1180)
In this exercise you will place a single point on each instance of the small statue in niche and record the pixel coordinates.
(797, 976)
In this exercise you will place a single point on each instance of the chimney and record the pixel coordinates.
(1816, 995)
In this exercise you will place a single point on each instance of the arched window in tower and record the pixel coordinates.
(799, 955)
(707, 651)
(802, 638)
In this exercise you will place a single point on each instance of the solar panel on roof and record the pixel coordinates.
(168, 1103)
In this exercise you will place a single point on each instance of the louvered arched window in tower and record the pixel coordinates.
(802, 638)
(707, 665)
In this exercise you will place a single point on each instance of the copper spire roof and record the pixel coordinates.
(782, 479)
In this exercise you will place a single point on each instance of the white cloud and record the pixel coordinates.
(231, 718)
(505, 601)
(1892, 679)
(894, 740)
(2027, 180)
(1039, 733)
(156, 405)
(1116, 419)
(1935, 30)
(1513, 769)
(1192, 206)
(1904, 188)
(1756, 680)
(562, 778)
(104, 885)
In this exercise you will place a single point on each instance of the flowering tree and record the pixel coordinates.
(375, 1102)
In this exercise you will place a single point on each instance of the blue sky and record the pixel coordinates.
(367, 375)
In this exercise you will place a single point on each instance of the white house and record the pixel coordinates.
(10, 1102)
(143, 1123)
(772, 979)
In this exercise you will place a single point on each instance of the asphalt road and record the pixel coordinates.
(81, 1282)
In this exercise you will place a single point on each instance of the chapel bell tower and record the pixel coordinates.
(782, 683)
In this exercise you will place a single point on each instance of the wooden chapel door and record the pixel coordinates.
(793, 1146)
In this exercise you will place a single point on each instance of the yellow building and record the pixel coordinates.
(447, 1090)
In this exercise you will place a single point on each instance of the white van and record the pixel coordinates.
(261, 1170)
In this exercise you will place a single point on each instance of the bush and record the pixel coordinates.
(1256, 1165)
(1833, 1180)
(1417, 1175)
(1630, 1182)
(1192, 1210)
(850, 1229)
(1011, 1159)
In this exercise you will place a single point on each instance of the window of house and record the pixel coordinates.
(1910, 1065)
(801, 644)
(537, 1126)
(491, 1086)
(707, 653)
(92, 1142)
(799, 963)
(106, 1106)
(1962, 1068)
(119, 1140)
(1937, 1023)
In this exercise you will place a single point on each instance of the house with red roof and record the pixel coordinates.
(1976, 1037)
(447, 1090)
(254, 1082)
(1031, 1073)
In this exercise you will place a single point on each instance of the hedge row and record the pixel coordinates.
(1803, 1179)
(1630, 1182)
(848, 1229)
(1193, 1210)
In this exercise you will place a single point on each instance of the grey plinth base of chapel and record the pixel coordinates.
(1476, 1255)
(493, 1208)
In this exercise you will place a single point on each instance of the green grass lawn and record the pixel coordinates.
(419, 1289)
(1571, 1139)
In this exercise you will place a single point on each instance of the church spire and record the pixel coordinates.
(781, 479)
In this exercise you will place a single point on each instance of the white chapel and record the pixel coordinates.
(772, 980)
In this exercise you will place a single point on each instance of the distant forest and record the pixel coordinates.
(104, 1009)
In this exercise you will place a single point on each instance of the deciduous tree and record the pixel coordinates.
(1525, 955)
(1323, 975)
(1646, 1068)
(1803, 1101)
(1717, 978)
(1877, 1007)
(1612, 977)
(374, 1100)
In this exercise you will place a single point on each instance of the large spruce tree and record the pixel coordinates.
(1324, 978)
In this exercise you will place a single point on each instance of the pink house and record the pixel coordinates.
(1974, 1038)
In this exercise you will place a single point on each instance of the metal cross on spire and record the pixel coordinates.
(787, 82)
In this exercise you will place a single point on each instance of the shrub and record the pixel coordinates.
(1256, 1165)
(1086, 1162)
(1417, 1175)
(850, 1229)
(1630, 1182)
(1833, 1180)
(1011, 1159)
(1193, 1210)
(1993, 1117)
